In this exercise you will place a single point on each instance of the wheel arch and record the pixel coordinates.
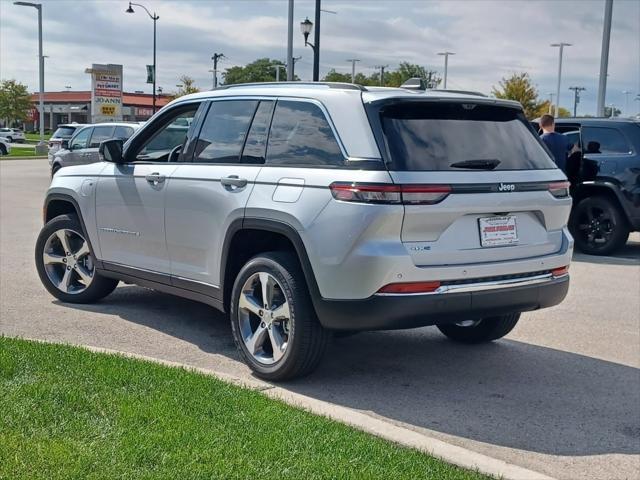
(607, 189)
(247, 237)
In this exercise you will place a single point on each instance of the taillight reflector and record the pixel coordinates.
(389, 193)
(412, 287)
(559, 189)
(560, 272)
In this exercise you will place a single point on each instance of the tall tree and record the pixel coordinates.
(408, 70)
(261, 70)
(544, 108)
(187, 86)
(519, 87)
(15, 101)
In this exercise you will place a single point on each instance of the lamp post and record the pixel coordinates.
(446, 65)
(305, 28)
(561, 45)
(41, 145)
(155, 18)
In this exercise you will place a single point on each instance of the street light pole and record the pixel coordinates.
(604, 56)
(38, 7)
(290, 43)
(446, 65)
(551, 94)
(561, 45)
(316, 41)
(626, 102)
(155, 18)
(353, 68)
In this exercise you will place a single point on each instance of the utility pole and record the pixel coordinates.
(290, 44)
(446, 65)
(293, 66)
(353, 68)
(604, 56)
(561, 45)
(215, 58)
(576, 98)
(381, 67)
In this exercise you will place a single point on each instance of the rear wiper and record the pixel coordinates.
(480, 164)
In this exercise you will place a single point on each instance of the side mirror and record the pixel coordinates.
(111, 150)
(64, 144)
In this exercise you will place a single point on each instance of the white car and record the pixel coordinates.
(12, 134)
(5, 146)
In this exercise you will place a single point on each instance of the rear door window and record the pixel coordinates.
(122, 132)
(301, 135)
(604, 140)
(224, 130)
(429, 136)
(256, 144)
(100, 134)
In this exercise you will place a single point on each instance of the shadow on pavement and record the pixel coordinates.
(628, 255)
(506, 393)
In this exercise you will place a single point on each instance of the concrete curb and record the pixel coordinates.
(447, 452)
(3, 157)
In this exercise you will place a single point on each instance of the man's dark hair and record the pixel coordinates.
(546, 120)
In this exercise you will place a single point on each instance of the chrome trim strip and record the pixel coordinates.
(482, 286)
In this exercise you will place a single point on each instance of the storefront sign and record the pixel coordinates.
(144, 112)
(106, 92)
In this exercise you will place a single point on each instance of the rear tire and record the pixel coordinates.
(598, 226)
(68, 273)
(481, 331)
(286, 319)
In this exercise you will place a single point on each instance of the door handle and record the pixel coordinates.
(233, 181)
(155, 178)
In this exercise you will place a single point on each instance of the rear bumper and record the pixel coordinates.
(380, 312)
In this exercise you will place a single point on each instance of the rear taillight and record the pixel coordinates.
(388, 193)
(412, 287)
(560, 272)
(559, 189)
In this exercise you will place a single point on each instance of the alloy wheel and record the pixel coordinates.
(264, 318)
(596, 225)
(67, 261)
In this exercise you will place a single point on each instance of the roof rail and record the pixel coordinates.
(339, 85)
(461, 92)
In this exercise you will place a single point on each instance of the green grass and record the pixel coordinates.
(18, 152)
(69, 413)
(35, 137)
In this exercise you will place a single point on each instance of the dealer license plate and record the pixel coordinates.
(498, 231)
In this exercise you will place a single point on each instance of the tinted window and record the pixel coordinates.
(100, 134)
(81, 140)
(64, 132)
(427, 136)
(167, 136)
(223, 131)
(123, 132)
(604, 140)
(256, 144)
(301, 135)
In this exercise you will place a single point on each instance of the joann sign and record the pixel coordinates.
(106, 92)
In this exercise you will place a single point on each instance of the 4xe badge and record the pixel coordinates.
(506, 187)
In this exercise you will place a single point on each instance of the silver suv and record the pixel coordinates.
(82, 147)
(302, 209)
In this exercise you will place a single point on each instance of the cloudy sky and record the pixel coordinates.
(491, 39)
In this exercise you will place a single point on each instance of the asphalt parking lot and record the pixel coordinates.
(560, 395)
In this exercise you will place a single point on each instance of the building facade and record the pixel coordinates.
(69, 107)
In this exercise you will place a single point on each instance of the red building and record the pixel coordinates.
(67, 107)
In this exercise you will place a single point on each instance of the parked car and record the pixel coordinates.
(605, 184)
(302, 209)
(5, 146)
(83, 146)
(63, 132)
(13, 135)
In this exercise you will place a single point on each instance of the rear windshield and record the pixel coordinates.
(63, 132)
(460, 136)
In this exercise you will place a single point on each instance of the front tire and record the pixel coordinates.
(273, 321)
(598, 226)
(480, 331)
(66, 265)
(3, 150)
